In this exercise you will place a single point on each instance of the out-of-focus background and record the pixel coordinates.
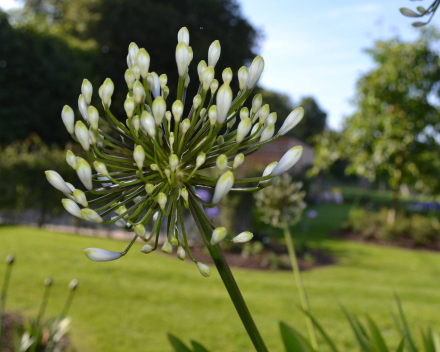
(369, 84)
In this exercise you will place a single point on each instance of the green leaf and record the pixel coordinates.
(293, 341)
(401, 344)
(376, 336)
(411, 346)
(358, 332)
(197, 347)
(177, 344)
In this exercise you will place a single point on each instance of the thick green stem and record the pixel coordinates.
(3, 296)
(299, 283)
(237, 298)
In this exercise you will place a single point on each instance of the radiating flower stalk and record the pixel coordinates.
(281, 206)
(149, 166)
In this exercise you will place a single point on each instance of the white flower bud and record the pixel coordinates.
(57, 181)
(129, 78)
(208, 77)
(255, 71)
(256, 103)
(267, 171)
(254, 130)
(184, 194)
(155, 89)
(100, 168)
(212, 114)
(197, 101)
(149, 188)
(129, 63)
(214, 53)
(271, 119)
(71, 207)
(136, 122)
(137, 71)
(204, 269)
(163, 79)
(291, 121)
(183, 35)
(227, 75)
(244, 112)
(80, 197)
(140, 230)
(84, 172)
(162, 200)
(101, 255)
(139, 156)
(223, 186)
(146, 249)
(173, 240)
(243, 237)
(201, 67)
(177, 110)
(218, 235)
(181, 254)
(288, 160)
(91, 215)
(224, 100)
(82, 134)
(68, 118)
(137, 199)
(133, 50)
(107, 91)
(173, 161)
(138, 92)
(121, 223)
(93, 117)
(167, 248)
(214, 86)
(222, 162)
(243, 129)
(267, 133)
(238, 160)
(129, 106)
(71, 159)
(87, 90)
(263, 113)
(200, 159)
(143, 61)
(83, 107)
(182, 58)
(231, 123)
(148, 124)
(154, 167)
(220, 140)
(159, 107)
(243, 75)
(185, 125)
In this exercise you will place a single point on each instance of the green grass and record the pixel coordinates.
(130, 304)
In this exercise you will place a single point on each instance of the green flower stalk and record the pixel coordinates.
(149, 166)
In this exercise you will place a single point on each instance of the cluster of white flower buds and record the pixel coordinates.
(149, 166)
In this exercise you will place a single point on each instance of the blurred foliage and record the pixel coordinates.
(23, 184)
(420, 12)
(393, 134)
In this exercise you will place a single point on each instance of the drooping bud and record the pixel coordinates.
(214, 53)
(177, 110)
(173, 161)
(267, 133)
(256, 103)
(222, 162)
(238, 160)
(71, 159)
(146, 249)
(138, 92)
(57, 181)
(227, 75)
(129, 78)
(204, 269)
(107, 91)
(84, 172)
(291, 121)
(143, 61)
(243, 237)
(82, 134)
(91, 215)
(101, 255)
(271, 119)
(243, 129)
(223, 186)
(100, 168)
(10, 259)
(224, 100)
(174, 241)
(71, 207)
(129, 106)
(139, 230)
(182, 58)
(201, 67)
(93, 117)
(255, 71)
(200, 159)
(149, 188)
(181, 254)
(167, 248)
(121, 223)
(148, 123)
(263, 113)
(83, 107)
(162, 200)
(139, 156)
(208, 77)
(288, 160)
(243, 75)
(159, 108)
(218, 235)
(68, 118)
(220, 140)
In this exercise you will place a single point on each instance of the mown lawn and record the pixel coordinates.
(130, 304)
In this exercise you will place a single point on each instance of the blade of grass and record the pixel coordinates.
(411, 346)
(376, 336)
(360, 335)
(177, 344)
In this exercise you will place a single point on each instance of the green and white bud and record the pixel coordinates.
(136, 122)
(212, 115)
(218, 235)
(256, 103)
(220, 140)
(197, 101)
(149, 188)
(167, 248)
(84, 172)
(83, 107)
(223, 186)
(71, 159)
(243, 237)
(238, 160)
(121, 223)
(137, 71)
(263, 113)
(129, 78)
(140, 230)
(71, 207)
(154, 167)
(171, 139)
(214, 86)
(214, 53)
(200, 159)
(203, 113)
(184, 194)
(156, 85)
(57, 181)
(267, 171)
(101, 255)
(181, 254)
(165, 92)
(185, 125)
(187, 80)
(93, 117)
(243, 75)
(183, 35)
(162, 200)
(224, 100)
(80, 197)
(201, 67)
(93, 136)
(244, 112)
(254, 130)
(267, 133)
(288, 160)
(227, 75)
(208, 77)
(82, 134)
(87, 90)
(91, 215)
(138, 92)
(173, 161)
(204, 269)
(73, 284)
(182, 58)
(255, 71)
(146, 249)
(271, 119)
(231, 123)
(100, 168)
(222, 162)
(291, 121)
(243, 129)
(159, 107)
(139, 156)
(174, 241)
(133, 50)
(68, 118)
(168, 116)
(148, 124)
(177, 110)
(107, 91)
(129, 106)
(143, 61)
(163, 79)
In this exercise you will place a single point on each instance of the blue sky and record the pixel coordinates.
(315, 47)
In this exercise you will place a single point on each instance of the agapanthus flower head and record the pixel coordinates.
(150, 163)
(283, 198)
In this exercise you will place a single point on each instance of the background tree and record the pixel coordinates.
(314, 122)
(394, 132)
